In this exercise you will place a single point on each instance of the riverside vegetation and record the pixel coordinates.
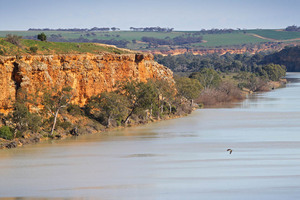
(227, 77)
(50, 114)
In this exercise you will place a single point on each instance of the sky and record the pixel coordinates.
(177, 14)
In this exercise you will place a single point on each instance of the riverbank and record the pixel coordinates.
(88, 127)
(83, 125)
(228, 93)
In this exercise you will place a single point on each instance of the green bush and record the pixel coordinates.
(74, 110)
(6, 133)
(274, 72)
(33, 49)
(42, 37)
(34, 122)
(24, 120)
(19, 134)
(65, 125)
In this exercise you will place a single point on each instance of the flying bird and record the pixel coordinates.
(230, 151)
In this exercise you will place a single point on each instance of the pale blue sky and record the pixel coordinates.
(181, 15)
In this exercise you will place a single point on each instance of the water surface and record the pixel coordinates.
(180, 159)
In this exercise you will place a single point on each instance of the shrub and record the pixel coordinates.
(19, 134)
(190, 88)
(209, 78)
(74, 110)
(42, 37)
(6, 133)
(13, 39)
(1, 52)
(33, 49)
(23, 119)
(34, 122)
(65, 125)
(274, 72)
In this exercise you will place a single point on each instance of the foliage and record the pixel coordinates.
(71, 29)
(273, 72)
(250, 81)
(224, 63)
(140, 95)
(64, 124)
(166, 93)
(216, 31)
(34, 122)
(42, 36)
(293, 28)
(23, 119)
(6, 133)
(207, 77)
(55, 101)
(152, 29)
(74, 110)
(108, 106)
(188, 87)
(133, 99)
(33, 49)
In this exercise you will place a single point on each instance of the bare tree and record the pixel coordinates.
(55, 101)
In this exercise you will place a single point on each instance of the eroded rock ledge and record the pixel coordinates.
(87, 74)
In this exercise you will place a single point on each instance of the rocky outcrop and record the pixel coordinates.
(221, 51)
(87, 74)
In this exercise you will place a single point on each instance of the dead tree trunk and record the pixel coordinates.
(54, 122)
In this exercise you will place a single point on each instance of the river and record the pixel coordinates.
(177, 159)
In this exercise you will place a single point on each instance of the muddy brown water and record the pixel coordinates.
(177, 159)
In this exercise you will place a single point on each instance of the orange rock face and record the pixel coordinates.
(220, 51)
(87, 74)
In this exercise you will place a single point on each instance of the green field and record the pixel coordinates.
(46, 48)
(276, 34)
(229, 39)
(234, 39)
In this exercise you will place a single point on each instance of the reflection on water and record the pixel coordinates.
(183, 158)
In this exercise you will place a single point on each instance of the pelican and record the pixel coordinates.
(230, 151)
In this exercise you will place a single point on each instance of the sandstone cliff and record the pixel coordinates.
(221, 51)
(87, 74)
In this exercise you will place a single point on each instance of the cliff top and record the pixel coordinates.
(33, 47)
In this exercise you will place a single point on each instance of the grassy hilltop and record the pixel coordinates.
(26, 46)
